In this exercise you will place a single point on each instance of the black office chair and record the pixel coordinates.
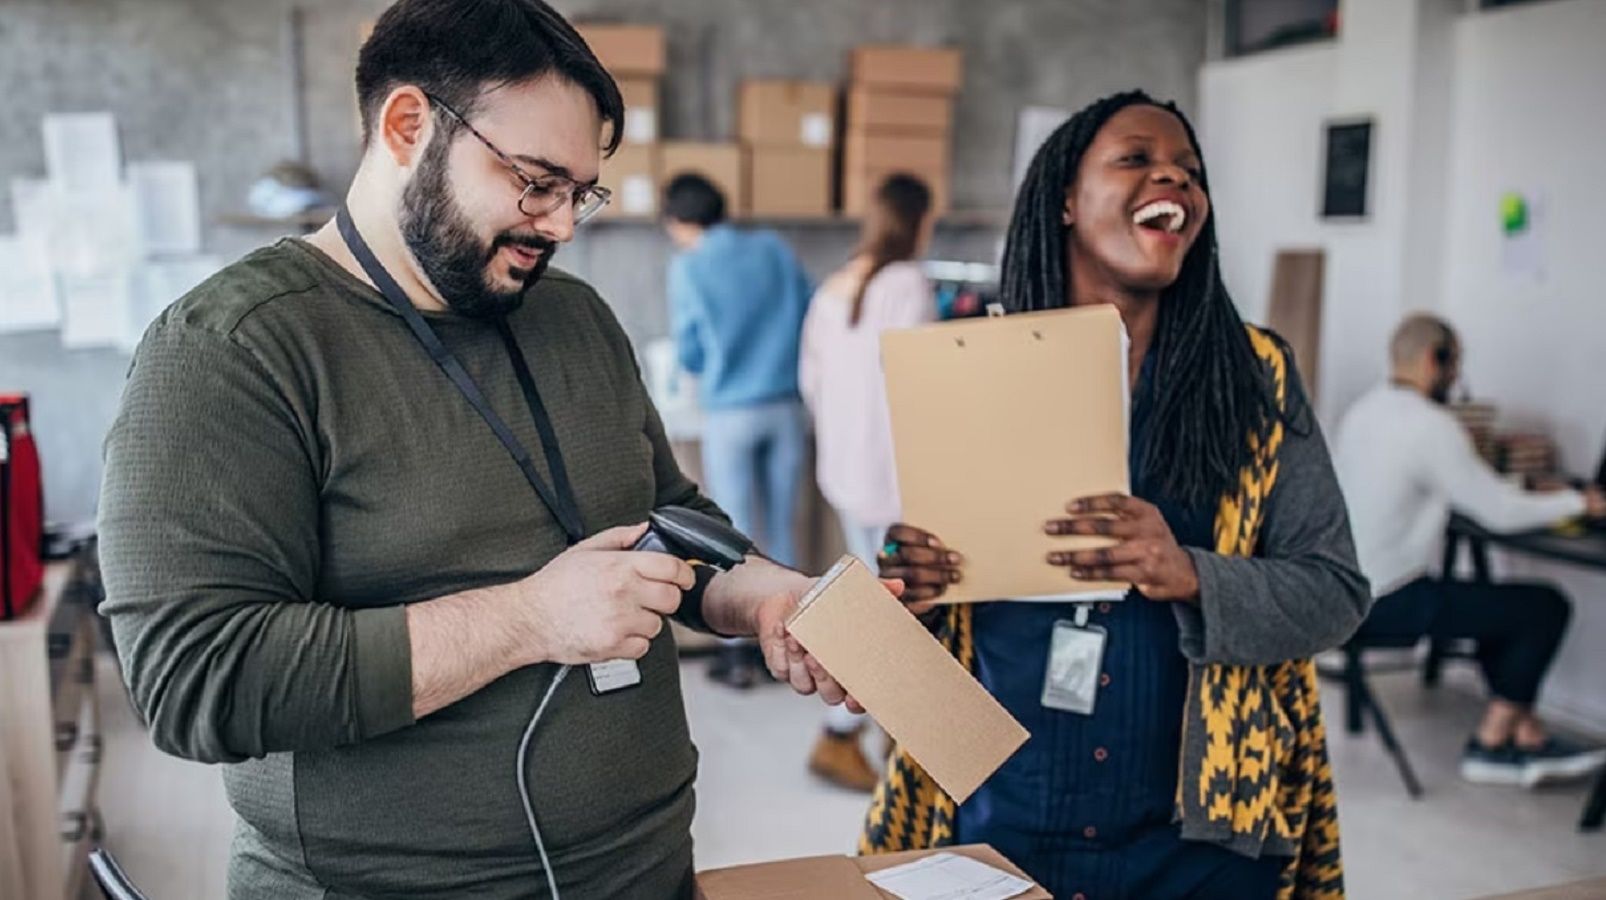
(113, 881)
(1443, 650)
(1359, 701)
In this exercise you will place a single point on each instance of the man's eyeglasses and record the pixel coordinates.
(542, 194)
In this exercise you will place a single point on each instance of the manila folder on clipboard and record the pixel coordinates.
(999, 422)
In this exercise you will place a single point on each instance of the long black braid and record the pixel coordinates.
(1210, 390)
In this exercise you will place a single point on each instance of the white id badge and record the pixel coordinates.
(613, 675)
(1075, 658)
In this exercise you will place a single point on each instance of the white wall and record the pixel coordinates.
(1529, 114)
(1259, 122)
(1466, 106)
(1262, 125)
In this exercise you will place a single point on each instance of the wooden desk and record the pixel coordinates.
(49, 744)
(1587, 550)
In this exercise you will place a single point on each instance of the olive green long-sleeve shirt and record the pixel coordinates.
(287, 471)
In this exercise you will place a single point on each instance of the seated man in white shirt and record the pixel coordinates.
(1404, 462)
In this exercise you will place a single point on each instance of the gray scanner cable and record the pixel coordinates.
(524, 786)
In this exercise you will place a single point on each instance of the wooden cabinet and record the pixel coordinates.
(50, 745)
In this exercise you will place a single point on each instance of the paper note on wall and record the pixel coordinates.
(93, 233)
(27, 287)
(1521, 229)
(157, 284)
(95, 309)
(166, 206)
(32, 208)
(82, 152)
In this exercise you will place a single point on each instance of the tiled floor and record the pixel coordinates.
(168, 823)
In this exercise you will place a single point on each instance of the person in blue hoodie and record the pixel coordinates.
(737, 298)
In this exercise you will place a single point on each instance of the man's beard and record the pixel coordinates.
(453, 258)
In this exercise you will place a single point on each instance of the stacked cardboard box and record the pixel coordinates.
(1528, 455)
(722, 163)
(900, 119)
(1478, 419)
(788, 129)
(634, 55)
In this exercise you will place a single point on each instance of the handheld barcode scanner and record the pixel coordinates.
(695, 538)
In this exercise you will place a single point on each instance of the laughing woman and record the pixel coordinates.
(1200, 769)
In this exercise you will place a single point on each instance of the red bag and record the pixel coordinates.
(22, 510)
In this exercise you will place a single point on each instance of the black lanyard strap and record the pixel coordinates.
(561, 502)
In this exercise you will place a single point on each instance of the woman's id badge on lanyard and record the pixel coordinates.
(1075, 658)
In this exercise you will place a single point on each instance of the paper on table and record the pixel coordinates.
(946, 876)
(167, 206)
(82, 152)
(27, 287)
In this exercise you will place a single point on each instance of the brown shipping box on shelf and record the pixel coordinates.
(788, 181)
(787, 113)
(878, 151)
(632, 174)
(722, 163)
(934, 70)
(888, 111)
(905, 679)
(860, 184)
(626, 50)
(869, 158)
(641, 109)
(834, 877)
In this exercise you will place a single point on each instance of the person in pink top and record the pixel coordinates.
(839, 375)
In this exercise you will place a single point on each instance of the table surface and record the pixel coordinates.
(1584, 549)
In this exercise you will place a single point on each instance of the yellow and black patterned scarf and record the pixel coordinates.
(1255, 775)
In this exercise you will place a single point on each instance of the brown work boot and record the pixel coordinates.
(838, 759)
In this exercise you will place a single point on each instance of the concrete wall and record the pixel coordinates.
(1467, 105)
(207, 80)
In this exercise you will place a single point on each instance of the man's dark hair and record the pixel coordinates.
(456, 49)
(693, 198)
(1210, 390)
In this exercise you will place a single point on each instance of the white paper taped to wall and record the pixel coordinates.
(166, 206)
(94, 308)
(27, 287)
(157, 284)
(32, 210)
(82, 152)
(85, 232)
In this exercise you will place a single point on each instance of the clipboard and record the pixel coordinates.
(997, 423)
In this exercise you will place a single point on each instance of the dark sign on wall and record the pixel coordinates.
(1348, 163)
